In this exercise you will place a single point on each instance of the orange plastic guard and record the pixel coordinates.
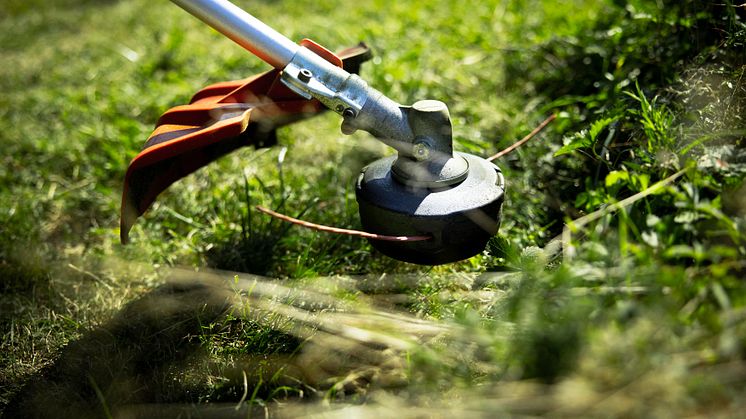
(219, 119)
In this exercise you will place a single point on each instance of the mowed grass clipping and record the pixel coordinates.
(615, 287)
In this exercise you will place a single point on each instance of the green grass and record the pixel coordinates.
(635, 308)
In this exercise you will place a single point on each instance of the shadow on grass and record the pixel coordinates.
(138, 358)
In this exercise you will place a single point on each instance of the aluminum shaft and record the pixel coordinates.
(244, 29)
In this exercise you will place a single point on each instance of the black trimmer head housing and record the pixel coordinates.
(460, 218)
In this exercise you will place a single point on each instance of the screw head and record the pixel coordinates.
(305, 75)
(349, 113)
(420, 151)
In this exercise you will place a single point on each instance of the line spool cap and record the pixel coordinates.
(461, 218)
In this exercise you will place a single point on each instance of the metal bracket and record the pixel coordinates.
(421, 133)
(311, 76)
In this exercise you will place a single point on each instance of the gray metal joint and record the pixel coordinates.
(421, 133)
(311, 76)
(361, 106)
(431, 126)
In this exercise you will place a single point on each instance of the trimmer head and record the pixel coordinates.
(425, 190)
(460, 218)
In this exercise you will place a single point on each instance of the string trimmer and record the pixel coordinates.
(454, 199)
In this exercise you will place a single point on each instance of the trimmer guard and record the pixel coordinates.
(219, 119)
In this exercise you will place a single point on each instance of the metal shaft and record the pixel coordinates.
(363, 107)
(244, 29)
